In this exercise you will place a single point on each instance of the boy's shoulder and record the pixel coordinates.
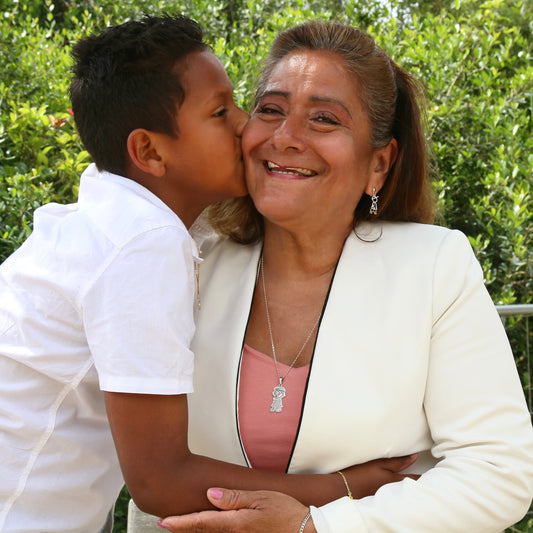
(114, 218)
(123, 209)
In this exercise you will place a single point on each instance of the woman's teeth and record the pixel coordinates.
(297, 171)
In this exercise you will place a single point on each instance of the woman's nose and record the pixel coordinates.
(289, 135)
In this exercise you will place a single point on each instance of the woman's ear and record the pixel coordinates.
(143, 152)
(382, 162)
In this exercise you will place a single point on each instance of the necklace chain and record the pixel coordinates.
(197, 276)
(272, 338)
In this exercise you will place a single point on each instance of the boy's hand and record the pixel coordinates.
(244, 512)
(365, 479)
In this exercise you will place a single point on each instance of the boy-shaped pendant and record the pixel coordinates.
(278, 393)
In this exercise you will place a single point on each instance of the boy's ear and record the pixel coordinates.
(142, 149)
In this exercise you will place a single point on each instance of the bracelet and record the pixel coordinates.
(307, 517)
(346, 483)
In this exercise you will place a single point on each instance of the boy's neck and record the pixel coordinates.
(186, 207)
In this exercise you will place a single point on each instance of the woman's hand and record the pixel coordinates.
(365, 479)
(244, 512)
(266, 511)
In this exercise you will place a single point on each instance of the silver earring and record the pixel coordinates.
(374, 206)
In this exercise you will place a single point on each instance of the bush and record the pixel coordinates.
(40, 152)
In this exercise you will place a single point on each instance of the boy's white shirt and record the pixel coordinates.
(100, 297)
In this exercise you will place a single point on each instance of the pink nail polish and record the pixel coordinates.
(160, 524)
(216, 494)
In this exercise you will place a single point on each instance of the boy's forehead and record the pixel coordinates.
(203, 74)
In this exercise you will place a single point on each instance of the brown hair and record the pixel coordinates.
(394, 103)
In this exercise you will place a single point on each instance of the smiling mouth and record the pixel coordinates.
(290, 171)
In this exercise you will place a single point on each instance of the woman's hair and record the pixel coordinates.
(128, 77)
(393, 101)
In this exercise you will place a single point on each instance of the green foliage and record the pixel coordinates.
(474, 56)
(478, 70)
(121, 512)
(524, 526)
(40, 152)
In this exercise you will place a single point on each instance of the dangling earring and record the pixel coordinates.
(374, 206)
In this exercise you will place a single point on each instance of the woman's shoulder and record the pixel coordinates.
(390, 231)
(410, 238)
(415, 229)
(412, 251)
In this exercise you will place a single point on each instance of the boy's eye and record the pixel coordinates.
(220, 112)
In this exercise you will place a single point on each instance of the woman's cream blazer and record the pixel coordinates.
(411, 356)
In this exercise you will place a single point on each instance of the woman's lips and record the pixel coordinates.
(298, 172)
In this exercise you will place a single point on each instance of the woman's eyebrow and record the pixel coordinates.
(284, 94)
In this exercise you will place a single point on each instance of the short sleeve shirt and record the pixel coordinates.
(100, 297)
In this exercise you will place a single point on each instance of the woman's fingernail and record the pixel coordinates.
(216, 494)
(160, 524)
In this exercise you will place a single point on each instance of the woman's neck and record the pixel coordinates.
(309, 254)
(296, 273)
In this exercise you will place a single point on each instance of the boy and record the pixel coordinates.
(101, 295)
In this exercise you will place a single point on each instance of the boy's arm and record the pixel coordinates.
(164, 478)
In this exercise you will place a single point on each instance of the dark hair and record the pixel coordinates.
(393, 101)
(127, 77)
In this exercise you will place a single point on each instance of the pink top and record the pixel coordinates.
(268, 437)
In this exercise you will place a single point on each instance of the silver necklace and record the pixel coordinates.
(279, 391)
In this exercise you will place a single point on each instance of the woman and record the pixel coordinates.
(337, 303)
(175, 480)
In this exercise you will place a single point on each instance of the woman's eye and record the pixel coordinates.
(266, 110)
(327, 119)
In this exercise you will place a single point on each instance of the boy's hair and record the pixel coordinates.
(127, 77)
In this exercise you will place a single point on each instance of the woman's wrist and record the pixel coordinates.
(348, 491)
(304, 521)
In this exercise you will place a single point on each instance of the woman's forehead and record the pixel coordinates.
(317, 75)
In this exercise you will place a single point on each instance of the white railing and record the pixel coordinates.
(514, 310)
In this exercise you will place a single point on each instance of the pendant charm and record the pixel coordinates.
(278, 393)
